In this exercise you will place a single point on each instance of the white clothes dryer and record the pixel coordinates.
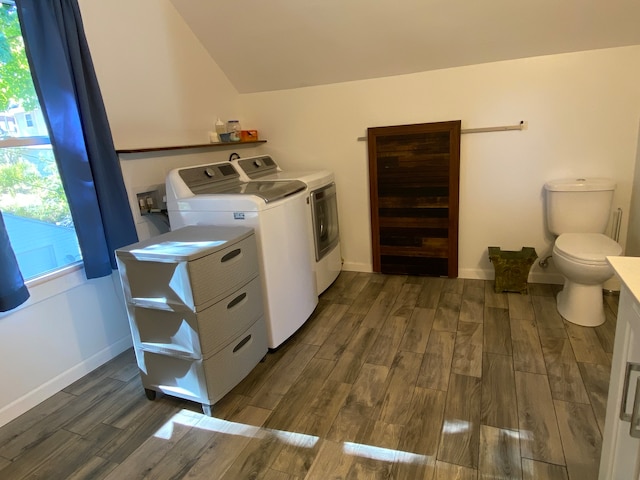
(213, 194)
(322, 212)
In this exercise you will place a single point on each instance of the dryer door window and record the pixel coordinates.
(324, 208)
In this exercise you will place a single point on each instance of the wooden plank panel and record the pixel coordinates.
(157, 445)
(499, 404)
(422, 434)
(402, 381)
(330, 462)
(225, 444)
(467, 353)
(418, 329)
(407, 201)
(527, 351)
(436, 364)
(532, 470)
(449, 471)
(586, 345)
(499, 454)
(581, 439)
(548, 320)
(536, 416)
(596, 381)
(460, 438)
(33, 458)
(447, 313)
(416, 221)
(564, 375)
(318, 418)
(301, 393)
(403, 159)
(472, 308)
(437, 248)
(388, 341)
(497, 331)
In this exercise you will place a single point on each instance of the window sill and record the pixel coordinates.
(47, 277)
(48, 286)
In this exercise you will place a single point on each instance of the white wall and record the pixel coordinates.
(159, 88)
(633, 232)
(582, 112)
(68, 327)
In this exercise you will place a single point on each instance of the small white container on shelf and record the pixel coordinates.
(234, 128)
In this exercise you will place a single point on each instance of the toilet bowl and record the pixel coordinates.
(581, 259)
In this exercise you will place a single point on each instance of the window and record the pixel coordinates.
(32, 200)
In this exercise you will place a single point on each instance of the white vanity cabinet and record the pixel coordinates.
(195, 306)
(620, 457)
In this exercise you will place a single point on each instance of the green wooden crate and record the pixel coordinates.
(512, 268)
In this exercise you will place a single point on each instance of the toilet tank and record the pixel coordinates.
(579, 205)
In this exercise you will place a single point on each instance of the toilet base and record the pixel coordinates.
(581, 304)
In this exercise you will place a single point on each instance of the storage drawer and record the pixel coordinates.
(205, 381)
(197, 335)
(171, 284)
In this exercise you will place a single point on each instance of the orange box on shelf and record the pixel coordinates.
(248, 135)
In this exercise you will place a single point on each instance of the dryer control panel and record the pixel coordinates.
(256, 167)
(204, 176)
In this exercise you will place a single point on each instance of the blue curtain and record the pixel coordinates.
(12, 289)
(71, 101)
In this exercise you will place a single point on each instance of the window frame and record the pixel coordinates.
(38, 140)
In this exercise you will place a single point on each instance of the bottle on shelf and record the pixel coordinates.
(220, 127)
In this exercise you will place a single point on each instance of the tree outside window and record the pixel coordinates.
(32, 199)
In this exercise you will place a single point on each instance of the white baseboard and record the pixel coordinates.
(536, 277)
(470, 273)
(53, 386)
(357, 267)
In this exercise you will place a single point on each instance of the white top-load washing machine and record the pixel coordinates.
(214, 194)
(322, 212)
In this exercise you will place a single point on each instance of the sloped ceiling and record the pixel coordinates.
(281, 44)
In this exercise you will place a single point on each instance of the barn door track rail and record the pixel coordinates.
(504, 128)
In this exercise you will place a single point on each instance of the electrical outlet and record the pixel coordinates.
(152, 200)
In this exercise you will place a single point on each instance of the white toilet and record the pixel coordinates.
(578, 213)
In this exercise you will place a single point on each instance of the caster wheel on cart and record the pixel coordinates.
(206, 409)
(151, 394)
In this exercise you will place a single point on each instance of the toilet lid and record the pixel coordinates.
(590, 247)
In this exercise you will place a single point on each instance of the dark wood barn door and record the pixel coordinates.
(414, 173)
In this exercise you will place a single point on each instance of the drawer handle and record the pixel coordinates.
(231, 255)
(242, 343)
(236, 300)
(631, 367)
(634, 428)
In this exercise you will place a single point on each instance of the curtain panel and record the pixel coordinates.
(12, 289)
(79, 132)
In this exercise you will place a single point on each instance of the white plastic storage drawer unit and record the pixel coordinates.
(194, 301)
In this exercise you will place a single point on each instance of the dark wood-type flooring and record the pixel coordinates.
(393, 377)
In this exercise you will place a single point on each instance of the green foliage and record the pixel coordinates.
(15, 77)
(31, 187)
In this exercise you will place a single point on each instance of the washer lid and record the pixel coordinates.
(268, 191)
(580, 185)
(312, 178)
(592, 247)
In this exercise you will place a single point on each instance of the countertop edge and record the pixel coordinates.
(628, 270)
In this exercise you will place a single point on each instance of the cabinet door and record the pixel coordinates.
(414, 173)
(620, 451)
